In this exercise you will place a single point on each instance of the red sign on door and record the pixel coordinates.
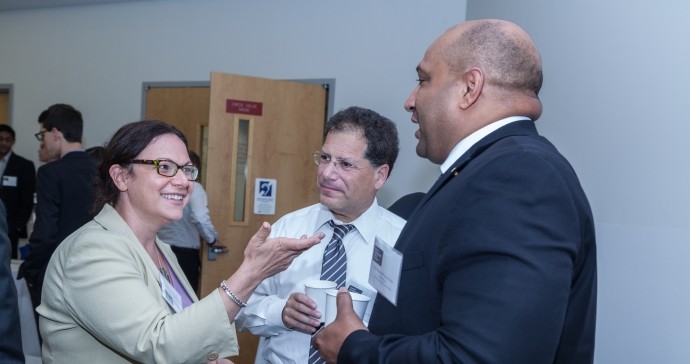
(243, 107)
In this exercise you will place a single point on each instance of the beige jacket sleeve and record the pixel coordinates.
(103, 285)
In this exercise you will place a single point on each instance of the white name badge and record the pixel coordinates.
(384, 275)
(170, 295)
(9, 181)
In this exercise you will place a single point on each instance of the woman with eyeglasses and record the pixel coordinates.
(114, 292)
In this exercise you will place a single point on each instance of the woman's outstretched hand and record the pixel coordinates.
(267, 256)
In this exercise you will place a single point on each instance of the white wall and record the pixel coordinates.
(96, 58)
(616, 104)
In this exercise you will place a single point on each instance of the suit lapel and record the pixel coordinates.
(110, 220)
(10, 165)
(522, 127)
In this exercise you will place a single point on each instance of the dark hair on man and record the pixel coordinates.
(42, 117)
(64, 118)
(379, 132)
(508, 61)
(126, 144)
(7, 129)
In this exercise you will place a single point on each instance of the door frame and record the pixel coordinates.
(249, 341)
(9, 88)
(327, 83)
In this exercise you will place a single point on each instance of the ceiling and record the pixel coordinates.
(6, 5)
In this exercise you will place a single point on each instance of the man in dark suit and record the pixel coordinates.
(18, 186)
(10, 329)
(499, 261)
(65, 192)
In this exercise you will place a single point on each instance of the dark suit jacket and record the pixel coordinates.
(10, 329)
(404, 206)
(19, 198)
(499, 264)
(65, 192)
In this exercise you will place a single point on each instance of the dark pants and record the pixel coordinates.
(191, 264)
(33, 270)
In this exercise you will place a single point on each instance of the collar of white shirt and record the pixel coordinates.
(6, 158)
(366, 222)
(472, 139)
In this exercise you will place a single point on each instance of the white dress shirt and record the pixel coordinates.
(3, 162)
(262, 316)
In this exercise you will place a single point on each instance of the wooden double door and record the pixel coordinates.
(249, 132)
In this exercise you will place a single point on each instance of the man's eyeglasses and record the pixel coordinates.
(322, 159)
(169, 168)
(39, 135)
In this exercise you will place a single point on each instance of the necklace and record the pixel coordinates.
(161, 267)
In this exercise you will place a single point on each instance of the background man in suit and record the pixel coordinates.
(18, 186)
(499, 258)
(64, 190)
(10, 330)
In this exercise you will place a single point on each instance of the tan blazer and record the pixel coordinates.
(102, 303)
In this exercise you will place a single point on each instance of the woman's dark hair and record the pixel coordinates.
(125, 145)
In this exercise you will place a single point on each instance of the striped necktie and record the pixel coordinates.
(334, 268)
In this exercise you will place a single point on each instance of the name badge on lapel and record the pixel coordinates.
(170, 295)
(9, 181)
(386, 266)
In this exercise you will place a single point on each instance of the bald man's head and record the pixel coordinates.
(501, 49)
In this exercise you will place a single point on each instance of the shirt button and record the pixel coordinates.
(212, 356)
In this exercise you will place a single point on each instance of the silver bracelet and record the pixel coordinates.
(232, 295)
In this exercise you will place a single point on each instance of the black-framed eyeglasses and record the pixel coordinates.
(322, 159)
(39, 135)
(169, 168)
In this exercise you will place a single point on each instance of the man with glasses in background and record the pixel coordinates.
(65, 191)
(354, 162)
